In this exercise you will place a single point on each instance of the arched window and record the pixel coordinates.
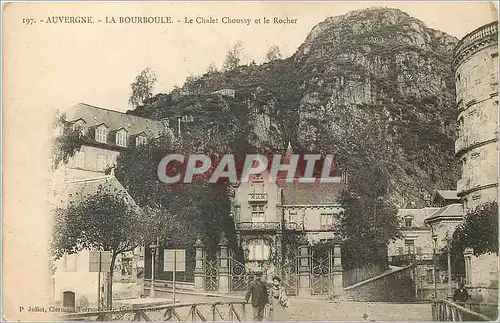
(408, 222)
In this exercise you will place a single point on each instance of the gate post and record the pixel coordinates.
(198, 269)
(337, 271)
(223, 266)
(304, 269)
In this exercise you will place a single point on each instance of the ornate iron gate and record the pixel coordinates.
(321, 270)
(210, 273)
(289, 274)
(239, 278)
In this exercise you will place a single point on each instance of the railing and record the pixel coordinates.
(258, 226)
(447, 311)
(187, 312)
(257, 197)
(484, 32)
(271, 226)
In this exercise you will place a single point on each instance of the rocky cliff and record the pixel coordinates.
(373, 86)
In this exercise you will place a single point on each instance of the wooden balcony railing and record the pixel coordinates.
(447, 311)
(185, 312)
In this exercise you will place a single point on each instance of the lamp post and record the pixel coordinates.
(153, 247)
(434, 278)
(450, 294)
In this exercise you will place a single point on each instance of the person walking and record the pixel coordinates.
(260, 297)
(279, 301)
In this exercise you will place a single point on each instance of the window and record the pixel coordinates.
(140, 140)
(258, 250)
(292, 216)
(70, 262)
(101, 134)
(475, 155)
(409, 247)
(408, 222)
(80, 159)
(428, 276)
(400, 250)
(258, 213)
(101, 162)
(121, 138)
(257, 178)
(476, 197)
(326, 219)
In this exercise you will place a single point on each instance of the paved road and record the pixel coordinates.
(323, 310)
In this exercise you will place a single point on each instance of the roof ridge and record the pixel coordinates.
(116, 111)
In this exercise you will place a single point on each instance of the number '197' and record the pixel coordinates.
(28, 21)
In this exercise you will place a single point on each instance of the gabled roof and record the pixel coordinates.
(454, 212)
(311, 194)
(418, 215)
(75, 191)
(446, 194)
(114, 120)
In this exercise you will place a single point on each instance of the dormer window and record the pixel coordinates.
(140, 140)
(101, 134)
(121, 138)
(408, 222)
(79, 125)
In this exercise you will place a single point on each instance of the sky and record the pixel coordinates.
(66, 64)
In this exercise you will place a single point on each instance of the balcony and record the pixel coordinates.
(406, 259)
(294, 226)
(257, 226)
(257, 198)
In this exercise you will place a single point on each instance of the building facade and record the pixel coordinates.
(475, 63)
(263, 210)
(106, 133)
(476, 77)
(73, 284)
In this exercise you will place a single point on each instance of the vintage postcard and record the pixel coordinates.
(239, 161)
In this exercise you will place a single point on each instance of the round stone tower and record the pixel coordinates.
(475, 63)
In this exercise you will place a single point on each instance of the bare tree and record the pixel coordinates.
(233, 57)
(273, 53)
(142, 88)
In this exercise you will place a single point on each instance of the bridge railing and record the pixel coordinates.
(444, 310)
(184, 312)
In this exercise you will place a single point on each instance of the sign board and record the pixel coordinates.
(174, 258)
(105, 257)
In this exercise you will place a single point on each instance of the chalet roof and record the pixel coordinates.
(418, 215)
(75, 191)
(449, 212)
(311, 194)
(447, 194)
(115, 120)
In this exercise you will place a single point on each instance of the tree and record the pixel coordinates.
(211, 69)
(142, 88)
(103, 221)
(273, 53)
(369, 221)
(66, 142)
(233, 57)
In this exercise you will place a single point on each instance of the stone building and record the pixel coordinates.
(476, 77)
(475, 63)
(262, 207)
(73, 284)
(106, 133)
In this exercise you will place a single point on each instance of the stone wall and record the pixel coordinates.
(396, 286)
